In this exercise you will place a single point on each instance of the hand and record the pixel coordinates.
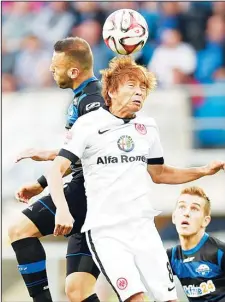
(25, 193)
(63, 222)
(34, 154)
(214, 167)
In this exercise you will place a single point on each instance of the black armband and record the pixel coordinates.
(155, 161)
(69, 155)
(42, 181)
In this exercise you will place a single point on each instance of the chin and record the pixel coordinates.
(184, 232)
(62, 85)
(136, 108)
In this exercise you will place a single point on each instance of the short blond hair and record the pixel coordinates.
(121, 68)
(197, 191)
(77, 49)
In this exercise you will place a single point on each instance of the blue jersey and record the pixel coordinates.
(87, 97)
(201, 270)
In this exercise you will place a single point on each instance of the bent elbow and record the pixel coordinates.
(156, 179)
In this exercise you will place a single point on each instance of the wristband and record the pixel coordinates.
(42, 181)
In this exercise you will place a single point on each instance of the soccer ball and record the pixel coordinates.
(125, 31)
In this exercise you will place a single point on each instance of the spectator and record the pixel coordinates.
(218, 8)
(149, 11)
(101, 53)
(53, 23)
(213, 107)
(212, 56)
(31, 67)
(172, 54)
(89, 10)
(169, 17)
(17, 24)
(193, 25)
(8, 59)
(8, 83)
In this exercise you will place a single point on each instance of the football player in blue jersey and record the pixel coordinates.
(72, 67)
(199, 260)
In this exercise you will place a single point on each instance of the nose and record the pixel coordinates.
(187, 212)
(138, 91)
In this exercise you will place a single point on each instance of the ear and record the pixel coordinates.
(173, 217)
(206, 221)
(110, 94)
(73, 73)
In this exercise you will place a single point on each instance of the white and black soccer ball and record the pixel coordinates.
(125, 31)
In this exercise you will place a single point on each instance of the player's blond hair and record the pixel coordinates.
(121, 69)
(197, 191)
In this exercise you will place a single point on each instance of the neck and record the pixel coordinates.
(189, 242)
(81, 79)
(121, 112)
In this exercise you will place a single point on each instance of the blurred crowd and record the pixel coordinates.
(186, 42)
(186, 45)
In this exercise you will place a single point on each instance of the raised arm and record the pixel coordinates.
(171, 175)
(37, 155)
(63, 218)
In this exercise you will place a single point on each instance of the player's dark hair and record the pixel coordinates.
(199, 192)
(77, 49)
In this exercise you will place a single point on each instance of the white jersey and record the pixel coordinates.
(114, 154)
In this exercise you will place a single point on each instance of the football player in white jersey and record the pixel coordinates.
(120, 152)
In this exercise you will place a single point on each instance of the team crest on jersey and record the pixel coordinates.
(125, 143)
(203, 269)
(141, 128)
(122, 283)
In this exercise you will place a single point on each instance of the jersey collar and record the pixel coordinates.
(83, 85)
(198, 246)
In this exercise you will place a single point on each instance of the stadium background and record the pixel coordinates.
(186, 50)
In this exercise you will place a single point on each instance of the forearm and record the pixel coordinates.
(55, 185)
(172, 175)
(50, 154)
(43, 181)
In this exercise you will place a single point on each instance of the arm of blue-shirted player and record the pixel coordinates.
(221, 255)
(26, 192)
(164, 174)
(70, 153)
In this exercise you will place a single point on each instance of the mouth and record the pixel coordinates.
(137, 102)
(185, 223)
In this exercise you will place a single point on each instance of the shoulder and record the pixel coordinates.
(89, 102)
(146, 120)
(217, 243)
(91, 116)
(87, 99)
(172, 252)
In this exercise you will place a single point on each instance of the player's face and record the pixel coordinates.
(130, 95)
(60, 70)
(189, 215)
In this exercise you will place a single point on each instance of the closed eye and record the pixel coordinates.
(195, 209)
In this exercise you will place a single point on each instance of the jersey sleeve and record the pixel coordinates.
(221, 255)
(155, 155)
(90, 103)
(74, 148)
(169, 254)
(72, 116)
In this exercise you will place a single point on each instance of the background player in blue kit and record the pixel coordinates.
(199, 260)
(72, 67)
